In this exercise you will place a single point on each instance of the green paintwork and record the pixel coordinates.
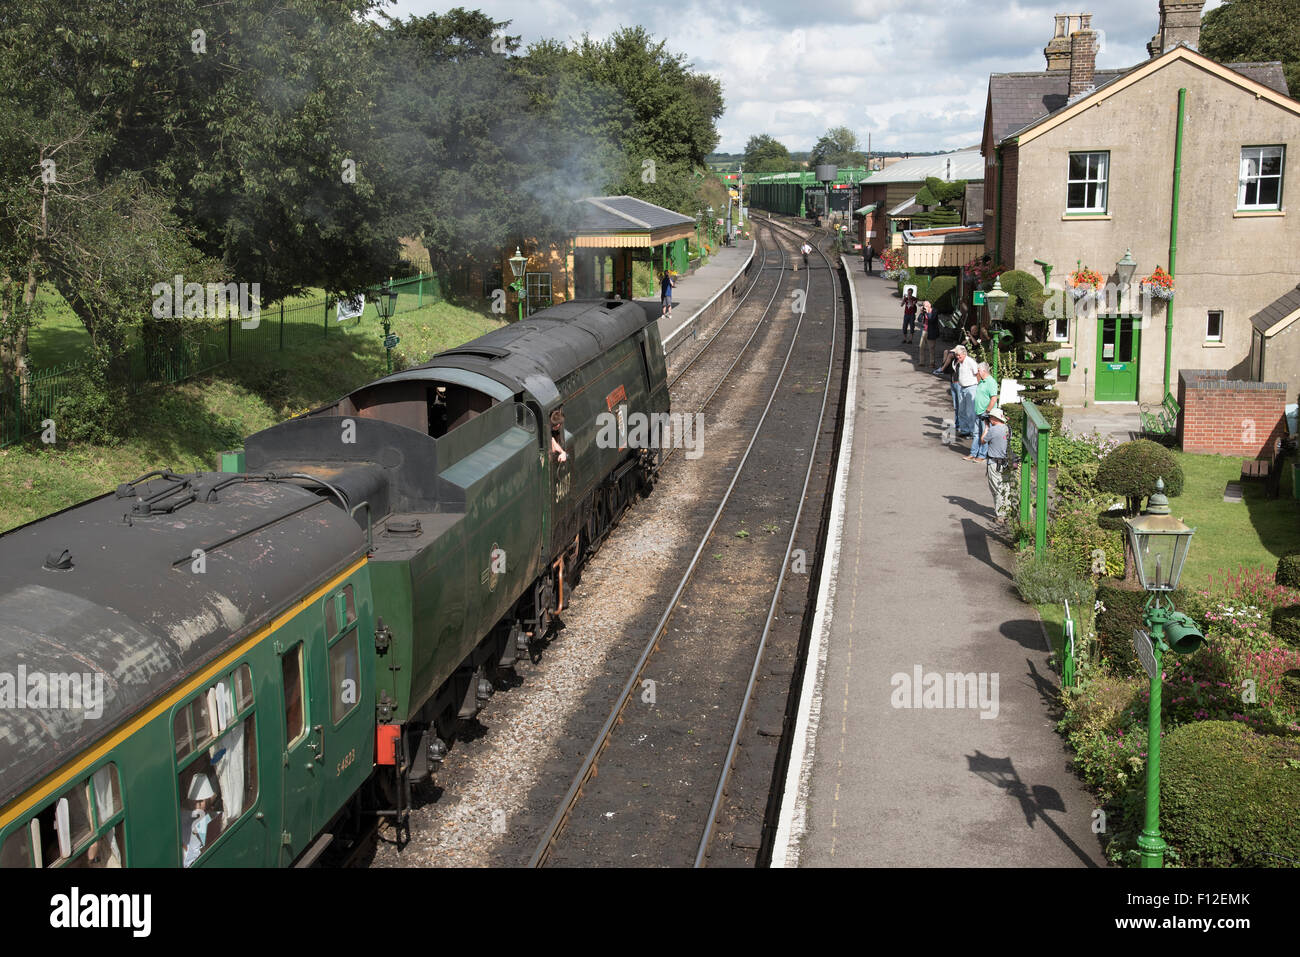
(1119, 347)
(147, 767)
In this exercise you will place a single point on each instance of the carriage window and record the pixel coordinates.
(217, 772)
(339, 606)
(291, 669)
(344, 677)
(83, 828)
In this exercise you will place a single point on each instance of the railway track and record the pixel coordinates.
(681, 719)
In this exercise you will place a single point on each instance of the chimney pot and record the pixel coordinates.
(1057, 51)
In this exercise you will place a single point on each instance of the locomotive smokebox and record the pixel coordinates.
(826, 172)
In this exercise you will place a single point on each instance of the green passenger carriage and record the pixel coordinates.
(270, 657)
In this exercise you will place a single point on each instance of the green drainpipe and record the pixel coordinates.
(1173, 234)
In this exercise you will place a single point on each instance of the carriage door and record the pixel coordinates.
(1118, 347)
(302, 687)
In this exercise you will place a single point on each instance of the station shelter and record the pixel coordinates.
(611, 233)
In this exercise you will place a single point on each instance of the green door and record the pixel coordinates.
(1118, 348)
(301, 674)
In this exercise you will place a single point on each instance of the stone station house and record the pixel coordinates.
(1081, 167)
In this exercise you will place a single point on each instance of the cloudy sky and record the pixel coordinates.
(911, 73)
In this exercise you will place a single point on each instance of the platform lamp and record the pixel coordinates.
(1124, 270)
(386, 306)
(1159, 543)
(710, 225)
(996, 300)
(517, 263)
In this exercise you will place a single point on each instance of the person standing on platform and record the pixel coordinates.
(868, 256)
(986, 397)
(666, 283)
(995, 439)
(967, 375)
(929, 323)
(909, 316)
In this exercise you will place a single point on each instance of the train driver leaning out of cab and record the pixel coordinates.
(557, 431)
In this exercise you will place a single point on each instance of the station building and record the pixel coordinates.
(1084, 165)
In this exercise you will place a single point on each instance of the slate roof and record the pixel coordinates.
(1277, 310)
(966, 164)
(1020, 100)
(620, 214)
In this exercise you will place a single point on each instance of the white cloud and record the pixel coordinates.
(795, 70)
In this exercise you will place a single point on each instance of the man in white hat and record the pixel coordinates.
(995, 438)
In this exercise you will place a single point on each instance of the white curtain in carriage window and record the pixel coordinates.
(230, 772)
(102, 781)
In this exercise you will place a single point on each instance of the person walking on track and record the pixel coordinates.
(805, 249)
(666, 283)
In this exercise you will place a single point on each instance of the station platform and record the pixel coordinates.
(918, 581)
(696, 293)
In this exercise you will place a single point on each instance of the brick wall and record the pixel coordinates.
(1010, 182)
(1229, 417)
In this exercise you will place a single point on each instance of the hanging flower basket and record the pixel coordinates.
(1085, 282)
(1158, 285)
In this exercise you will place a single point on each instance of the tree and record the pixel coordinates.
(839, 145)
(1254, 30)
(1131, 470)
(764, 154)
(937, 192)
(1030, 348)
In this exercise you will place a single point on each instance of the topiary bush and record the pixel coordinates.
(1228, 796)
(1050, 580)
(1131, 470)
(941, 292)
(1288, 571)
(1285, 625)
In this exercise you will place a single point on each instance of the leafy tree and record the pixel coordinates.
(1254, 30)
(764, 154)
(941, 194)
(839, 145)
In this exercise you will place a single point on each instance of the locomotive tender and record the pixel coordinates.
(281, 650)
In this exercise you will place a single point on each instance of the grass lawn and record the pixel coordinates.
(1250, 533)
(186, 426)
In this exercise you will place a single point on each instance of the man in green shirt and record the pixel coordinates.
(986, 398)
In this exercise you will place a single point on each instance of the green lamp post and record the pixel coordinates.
(1159, 543)
(996, 300)
(710, 225)
(517, 263)
(386, 306)
(699, 217)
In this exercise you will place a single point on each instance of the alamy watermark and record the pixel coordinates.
(52, 691)
(214, 300)
(930, 689)
(654, 430)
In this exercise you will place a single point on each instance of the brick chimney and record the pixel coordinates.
(1057, 50)
(1180, 22)
(1083, 57)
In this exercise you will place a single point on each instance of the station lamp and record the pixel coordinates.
(517, 263)
(386, 306)
(1125, 269)
(1159, 543)
(996, 300)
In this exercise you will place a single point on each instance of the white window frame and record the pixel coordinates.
(533, 280)
(1090, 176)
(1246, 178)
(1208, 316)
(1057, 334)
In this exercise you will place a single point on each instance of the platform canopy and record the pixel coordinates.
(945, 246)
(622, 222)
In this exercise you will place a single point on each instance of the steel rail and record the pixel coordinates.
(574, 792)
(720, 792)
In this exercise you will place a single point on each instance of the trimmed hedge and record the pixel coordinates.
(1286, 625)
(1288, 571)
(1228, 796)
(1123, 603)
(1050, 580)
